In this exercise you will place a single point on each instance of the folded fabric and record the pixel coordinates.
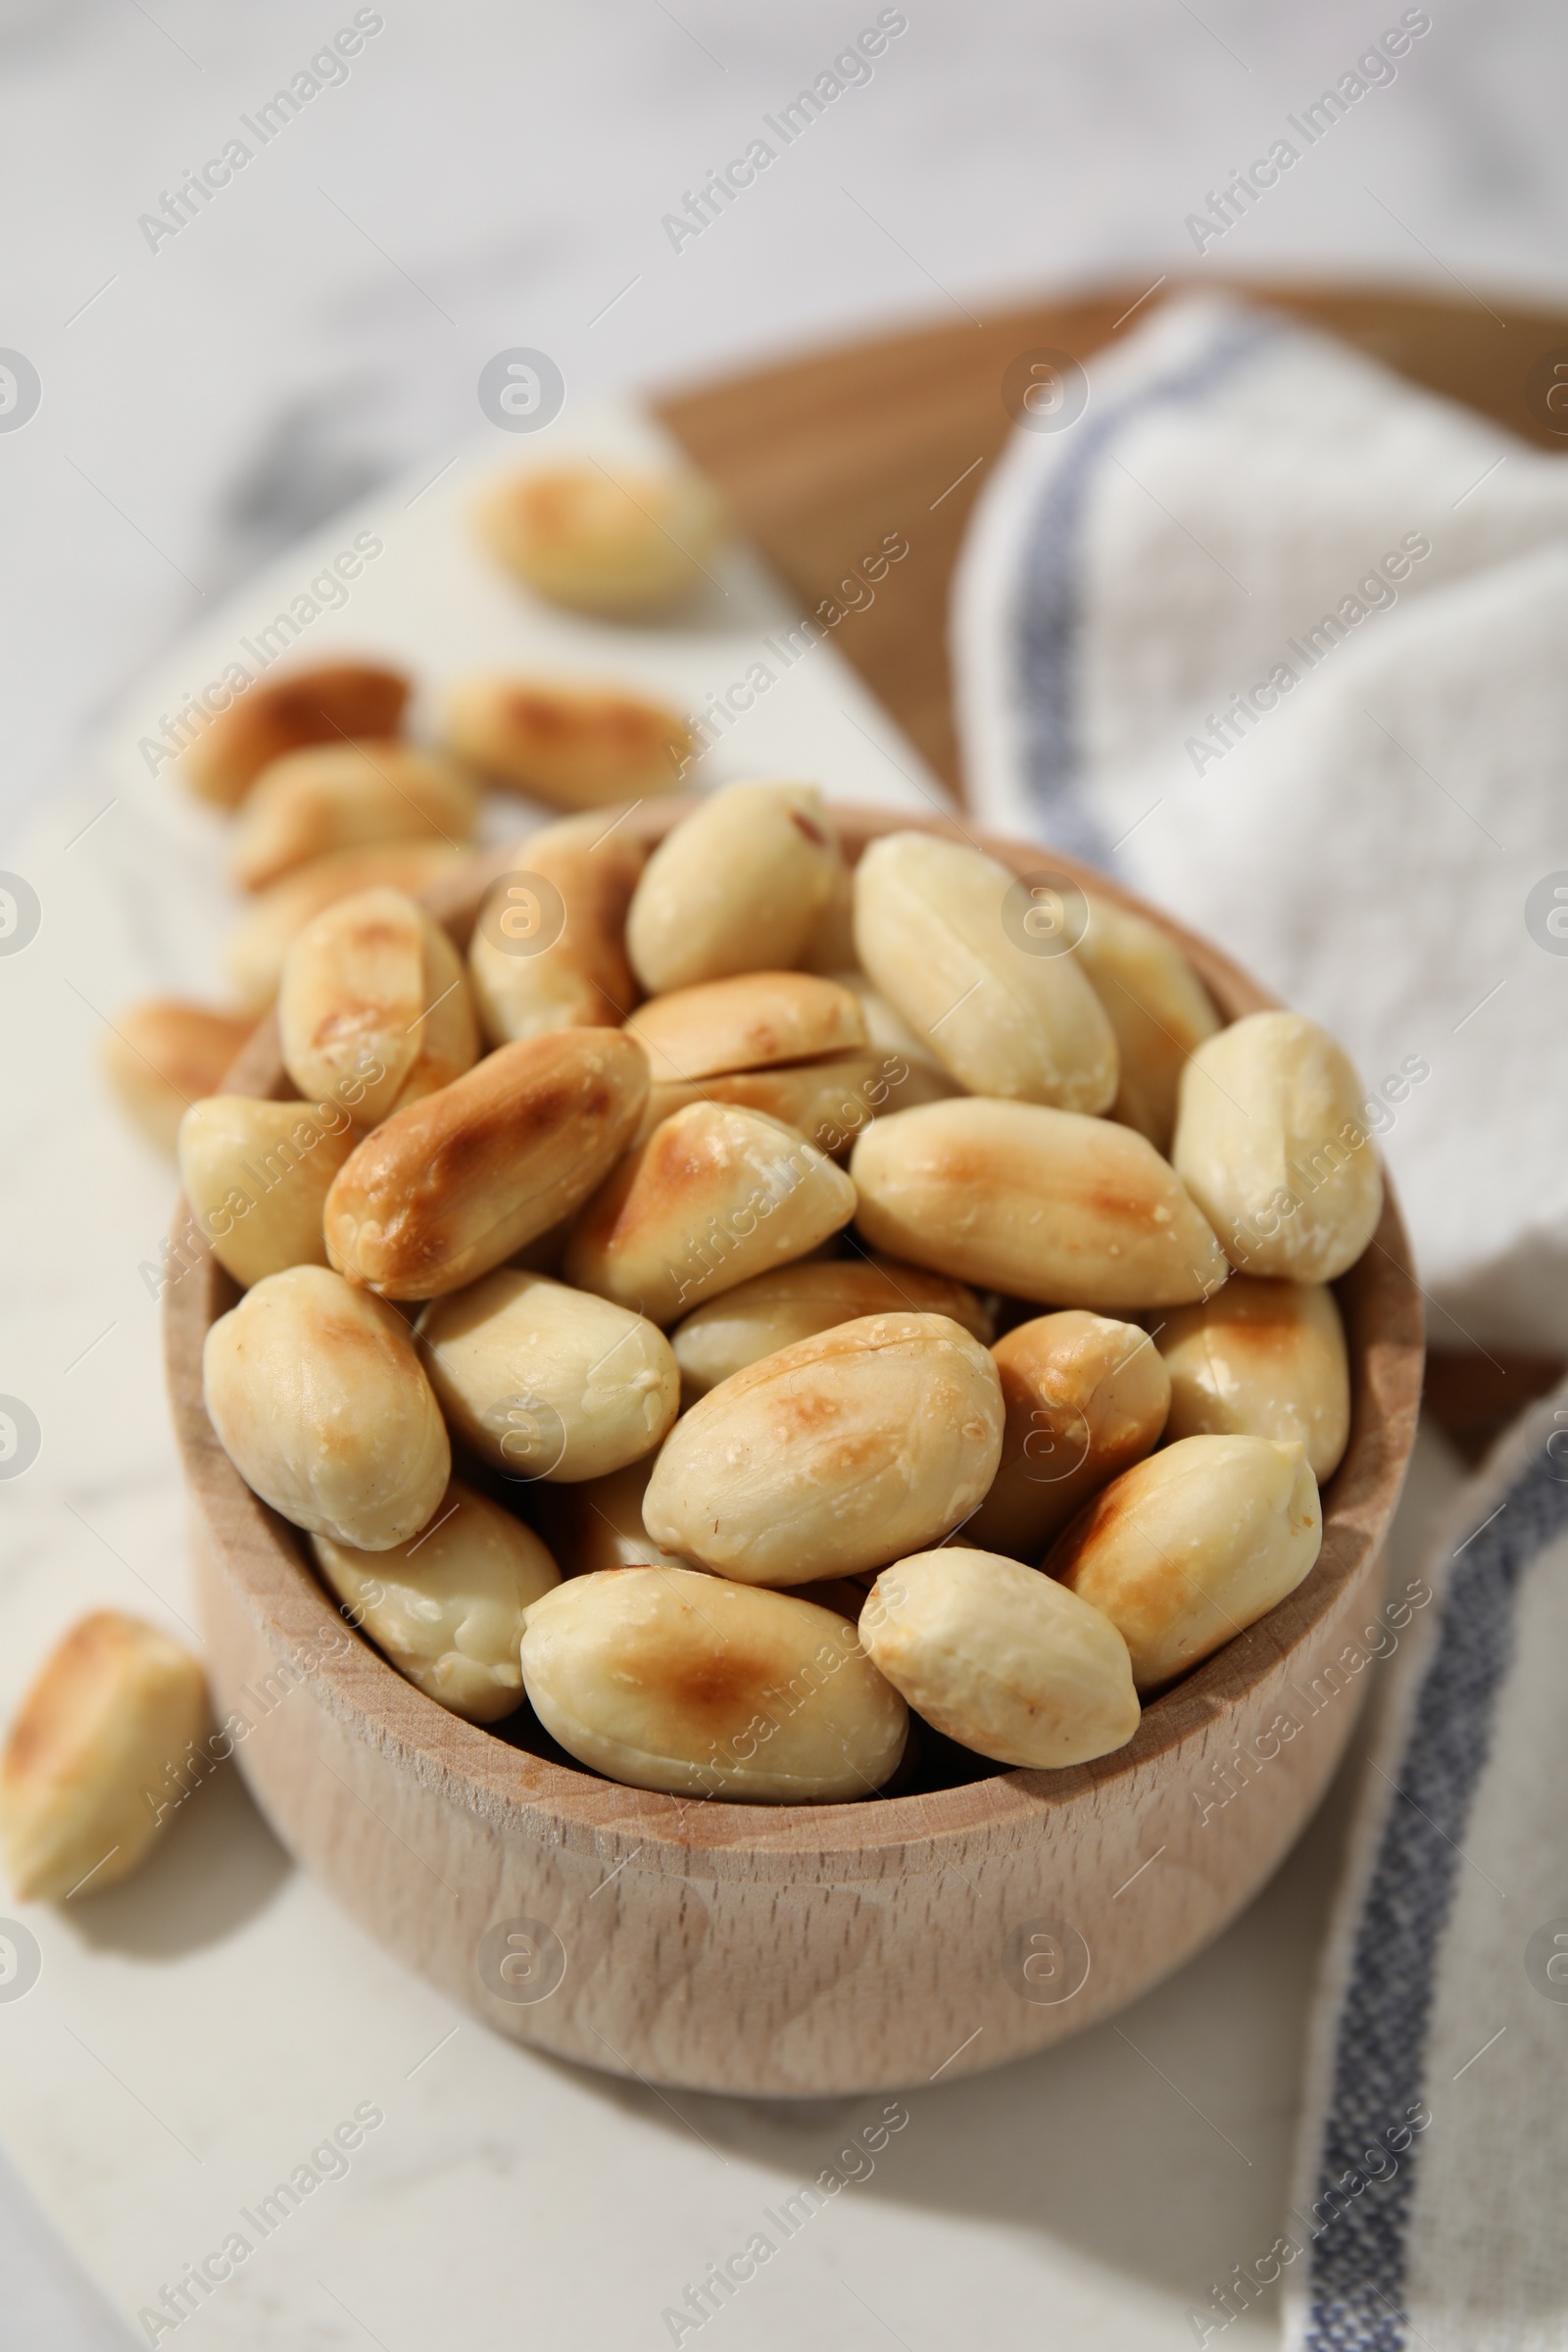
(1276, 638)
(1433, 2158)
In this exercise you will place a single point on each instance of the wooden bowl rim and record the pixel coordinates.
(562, 1805)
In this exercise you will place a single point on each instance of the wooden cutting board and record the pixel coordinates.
(821, 457)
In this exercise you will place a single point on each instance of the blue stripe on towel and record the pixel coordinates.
(1048, 606)
(1357, 2261)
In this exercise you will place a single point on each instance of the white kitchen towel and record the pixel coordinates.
(1432, 2174)
(1277, 638)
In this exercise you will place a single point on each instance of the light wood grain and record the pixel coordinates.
(792, 1949)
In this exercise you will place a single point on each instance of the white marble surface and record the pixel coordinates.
(492, 176)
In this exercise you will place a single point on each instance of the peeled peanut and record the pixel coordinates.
(713, 1196)
(598, 1523)
(828, 1100)
(447, 1607)
(835, 1455)
(1038, 1204)
(347, 795)
(664, 1679)
(451, 1185)
(90, 1770)
(257, 1176)
(320, 705)
(547, 950)
(258, 944)
(1086, 1397)
(1193, 1545)
(1157, 1007)
(738, 886)
(1001, 1658)
(547, 1382)
(570, 746)
(773, 1310)
(323, 1407)
(373, 991)
(929, 924)
(161, 1056)
(1261, 1360)
(1270, 1144)
(752, 1022)
(621, 547)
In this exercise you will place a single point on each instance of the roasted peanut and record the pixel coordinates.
(579, 536)
(323, 1407)
(257, 1176)
(161, 1056)
(1193, 1545)
(324, 704)
(569, 746)
(1261, 1360)
(259, 943)
(1271, 1144)
(547, 1382)
(1086, 1397)
(348, 796)
(548, 949)
(738, 886)
(1158, 1008)
(835, 1455)
(713, 1196)
(930, 930)
(89, 1773)
(1001, 1658)
(451, 1185)
(773, 1310)
(752, 1022)
(828, 1100)
(1039, 1203)
(666, 1679)
(598, 1523)
(447, 1607)
(373, 993)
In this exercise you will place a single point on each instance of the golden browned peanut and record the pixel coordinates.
(1271, 1144)
(257, 1176)
(738, 886)
(161, 1056)
(1039, 1203)
(714, 1195)
(569, 746)
(775, 1311)
(447, 1607)
(374, 994)
(322, 704)
(453, 1183)
(1193, 1545)
(828, 1100)
(579, 536)
(348, 796)
(664, 1679)
(932, 929)
(752, 1022)
(1261, 1360)
(256, 948)
(838, 1454)
(322, 1405)
(598, 1523)
(89, 1773)
(1001, 1658)
(547, 1382)
(547, 950)
(1086, 1398)
(1158, 1008)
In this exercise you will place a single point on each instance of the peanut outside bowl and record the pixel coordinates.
(786, 1949)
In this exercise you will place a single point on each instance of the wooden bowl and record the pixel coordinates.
(788, 1949)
